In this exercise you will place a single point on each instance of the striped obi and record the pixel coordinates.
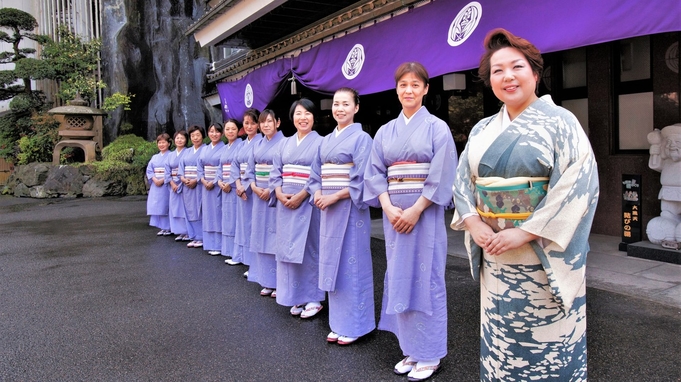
(226, 170)
(173, 174)
(262, 173)
(407, 177)
(190, 172)
(336, 176)
(210, 172)
(159, 172)
(295, 174)
(242, 170)
(506, 202)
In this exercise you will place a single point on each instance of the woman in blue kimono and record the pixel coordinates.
(157, 200)
(191, 194)
(526, 192)
(178, 225)
(226, 182)
(408, 175)
(263, 268)
(297, 251)
(211, 196)
(244, 205)
(345, 265)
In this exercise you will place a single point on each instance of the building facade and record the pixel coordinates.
(614, 64)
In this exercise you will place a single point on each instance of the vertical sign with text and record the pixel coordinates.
(631, 210)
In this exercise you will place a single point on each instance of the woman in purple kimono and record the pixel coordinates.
(178, 224)
(345, 267)
(264, 228)
(191, 194)
(211, 201)
(226, 182)
(297, 249)
(244, 205)
(157, 201)
(410, 176)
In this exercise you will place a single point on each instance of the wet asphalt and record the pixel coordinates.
(89, 293)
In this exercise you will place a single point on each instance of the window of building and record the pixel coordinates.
(574, 90)
(634, 93)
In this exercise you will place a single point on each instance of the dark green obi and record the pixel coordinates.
(508, 206)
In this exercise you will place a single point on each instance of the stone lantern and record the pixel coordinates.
(79, 126)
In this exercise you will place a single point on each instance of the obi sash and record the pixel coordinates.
(262, 173)
(159, 172)
(336, 176)
(210, 172)
(295, 174)
(505, 203)
(190, 172)
(226, 170)
(242, 170)
(407, 177)
(173, 174)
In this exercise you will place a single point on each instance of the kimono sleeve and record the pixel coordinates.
(180, 167)
(315, 182)
(200, 172)
(313, 153)
(360, 157)
(375, 173)
(438, 185)
(150, 170)
(275, 174)
(249, 175)
(573, 187)
(464, 187)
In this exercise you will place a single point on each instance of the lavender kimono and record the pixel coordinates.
(211, 201)
(345, 265)
(226, 175)
(244, 208)
(192, 196)
(178, 224)
(414, 297)
(264, 227)
(533, 298)
(157, 200)
(297, 251)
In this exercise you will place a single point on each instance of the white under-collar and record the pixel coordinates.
(407, 120)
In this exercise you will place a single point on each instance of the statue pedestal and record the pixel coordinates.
(650, 251)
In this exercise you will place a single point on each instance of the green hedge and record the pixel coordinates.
(125, 160)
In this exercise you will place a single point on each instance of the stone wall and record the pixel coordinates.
(44, 180)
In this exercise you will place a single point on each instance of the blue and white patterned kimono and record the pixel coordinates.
(263, 268)
(244, 208)
(226, 175)
(297, 251)
(533, 298)
(345, 264)
(157, 200)
(414, 297)
(211, 201)
(192, 196)
(178, 225)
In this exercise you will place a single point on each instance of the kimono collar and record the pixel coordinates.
(338, 132)
(407, 120)
(300, 140)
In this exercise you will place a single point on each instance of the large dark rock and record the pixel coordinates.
(96, 188)
(64, 181)
(21, 191)
(31, 174)
(146, 53)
